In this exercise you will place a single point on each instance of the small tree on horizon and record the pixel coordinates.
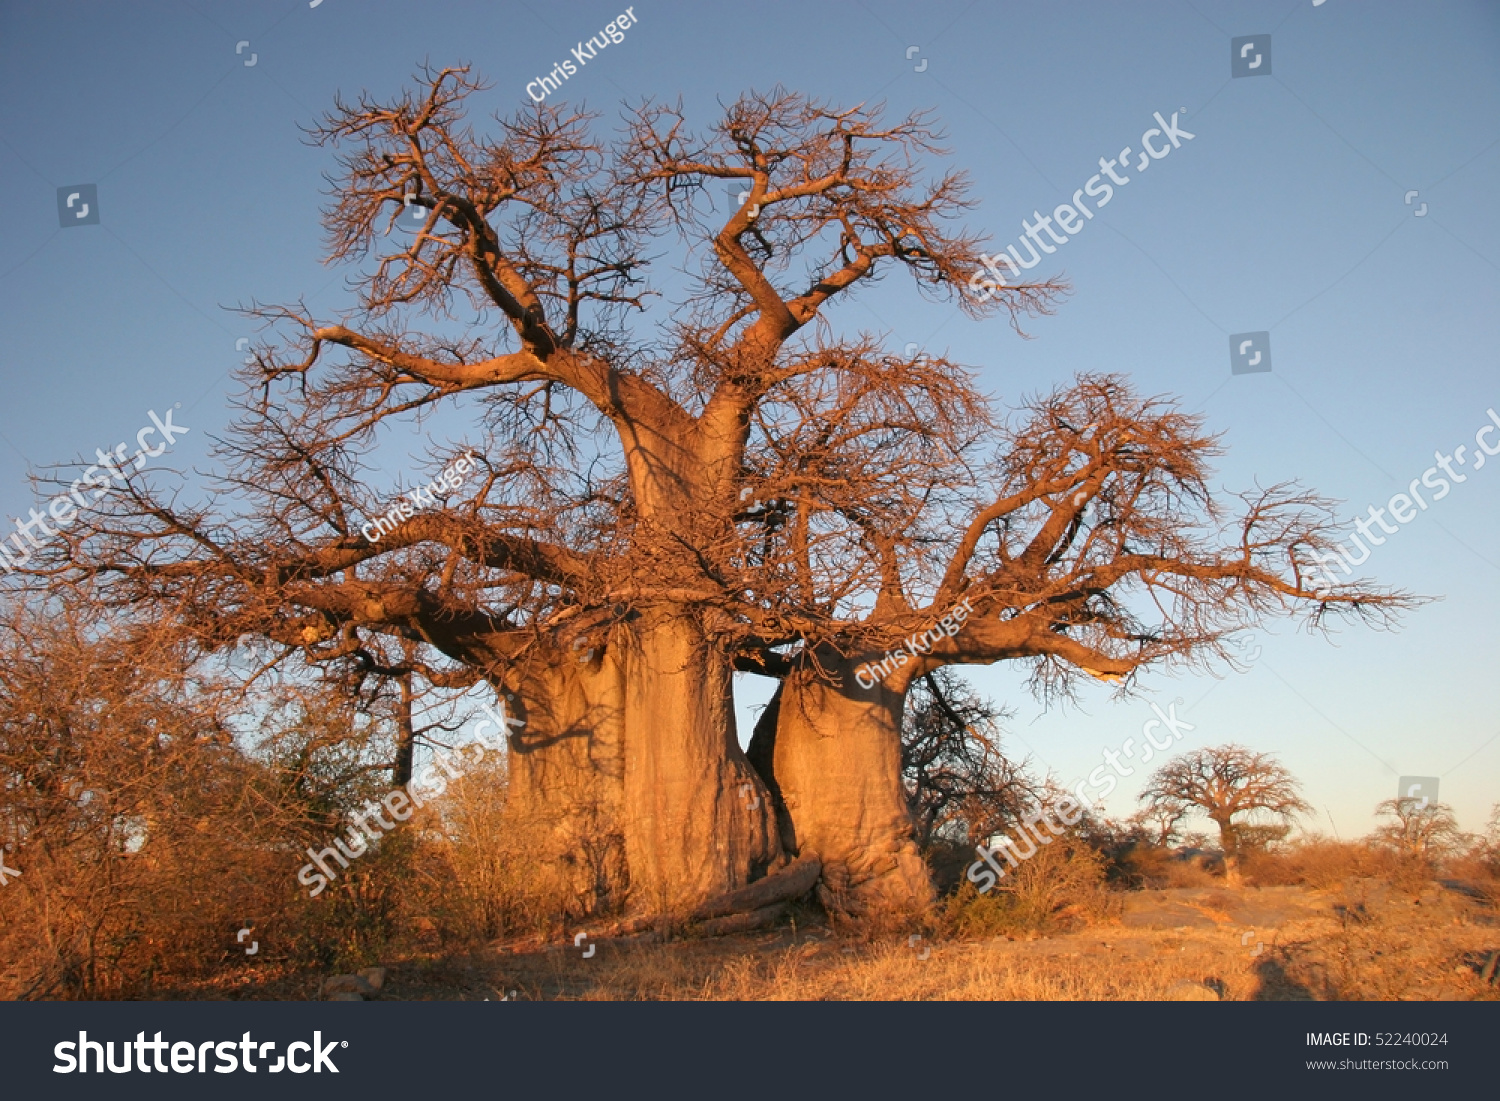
(1224, 782)
(1418, 829)
(1160, 823)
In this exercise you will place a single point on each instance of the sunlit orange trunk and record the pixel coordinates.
(697, 821)
(567, 772)
(837, 770)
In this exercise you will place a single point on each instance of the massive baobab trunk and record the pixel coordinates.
(629, 774)
(836, 761)
(1229, 841)
(567, 771)
(694, 829)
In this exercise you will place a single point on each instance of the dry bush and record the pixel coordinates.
(1386, 944)
(155, 809)
(1480, 864)
(155, 805)
(477, 875)
(461, 871)
(1318, 862)
(1138, 852)
(362, 917)
(1487, 850)
(145, 836)
(1325, 864)
(948, 861)
(1150, 867)
(1060, 888)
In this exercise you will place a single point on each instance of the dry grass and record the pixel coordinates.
(954, 971)
(1367, 942)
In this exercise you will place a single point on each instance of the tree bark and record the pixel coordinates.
(837, 769)
(1229, 842)
(567, 772)
(791, 882)
(698, 820)
(406, 734)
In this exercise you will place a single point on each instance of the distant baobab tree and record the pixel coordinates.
(1232, 786)
(1418, 829)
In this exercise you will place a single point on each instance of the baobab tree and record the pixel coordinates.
(1418, 830)
(1159, 823)
(1225, 782)
(1081, 537)
(676, 476)
(609, 500)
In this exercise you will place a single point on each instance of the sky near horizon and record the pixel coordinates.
(1333, 197)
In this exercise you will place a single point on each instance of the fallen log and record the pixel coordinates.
(793, 881)
(740, 923)
(751, 903)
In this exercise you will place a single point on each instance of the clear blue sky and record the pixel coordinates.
(1285, 213)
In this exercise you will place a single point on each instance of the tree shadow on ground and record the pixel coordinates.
(1276, 985)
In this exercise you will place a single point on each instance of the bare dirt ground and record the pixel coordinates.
(1364, 941)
